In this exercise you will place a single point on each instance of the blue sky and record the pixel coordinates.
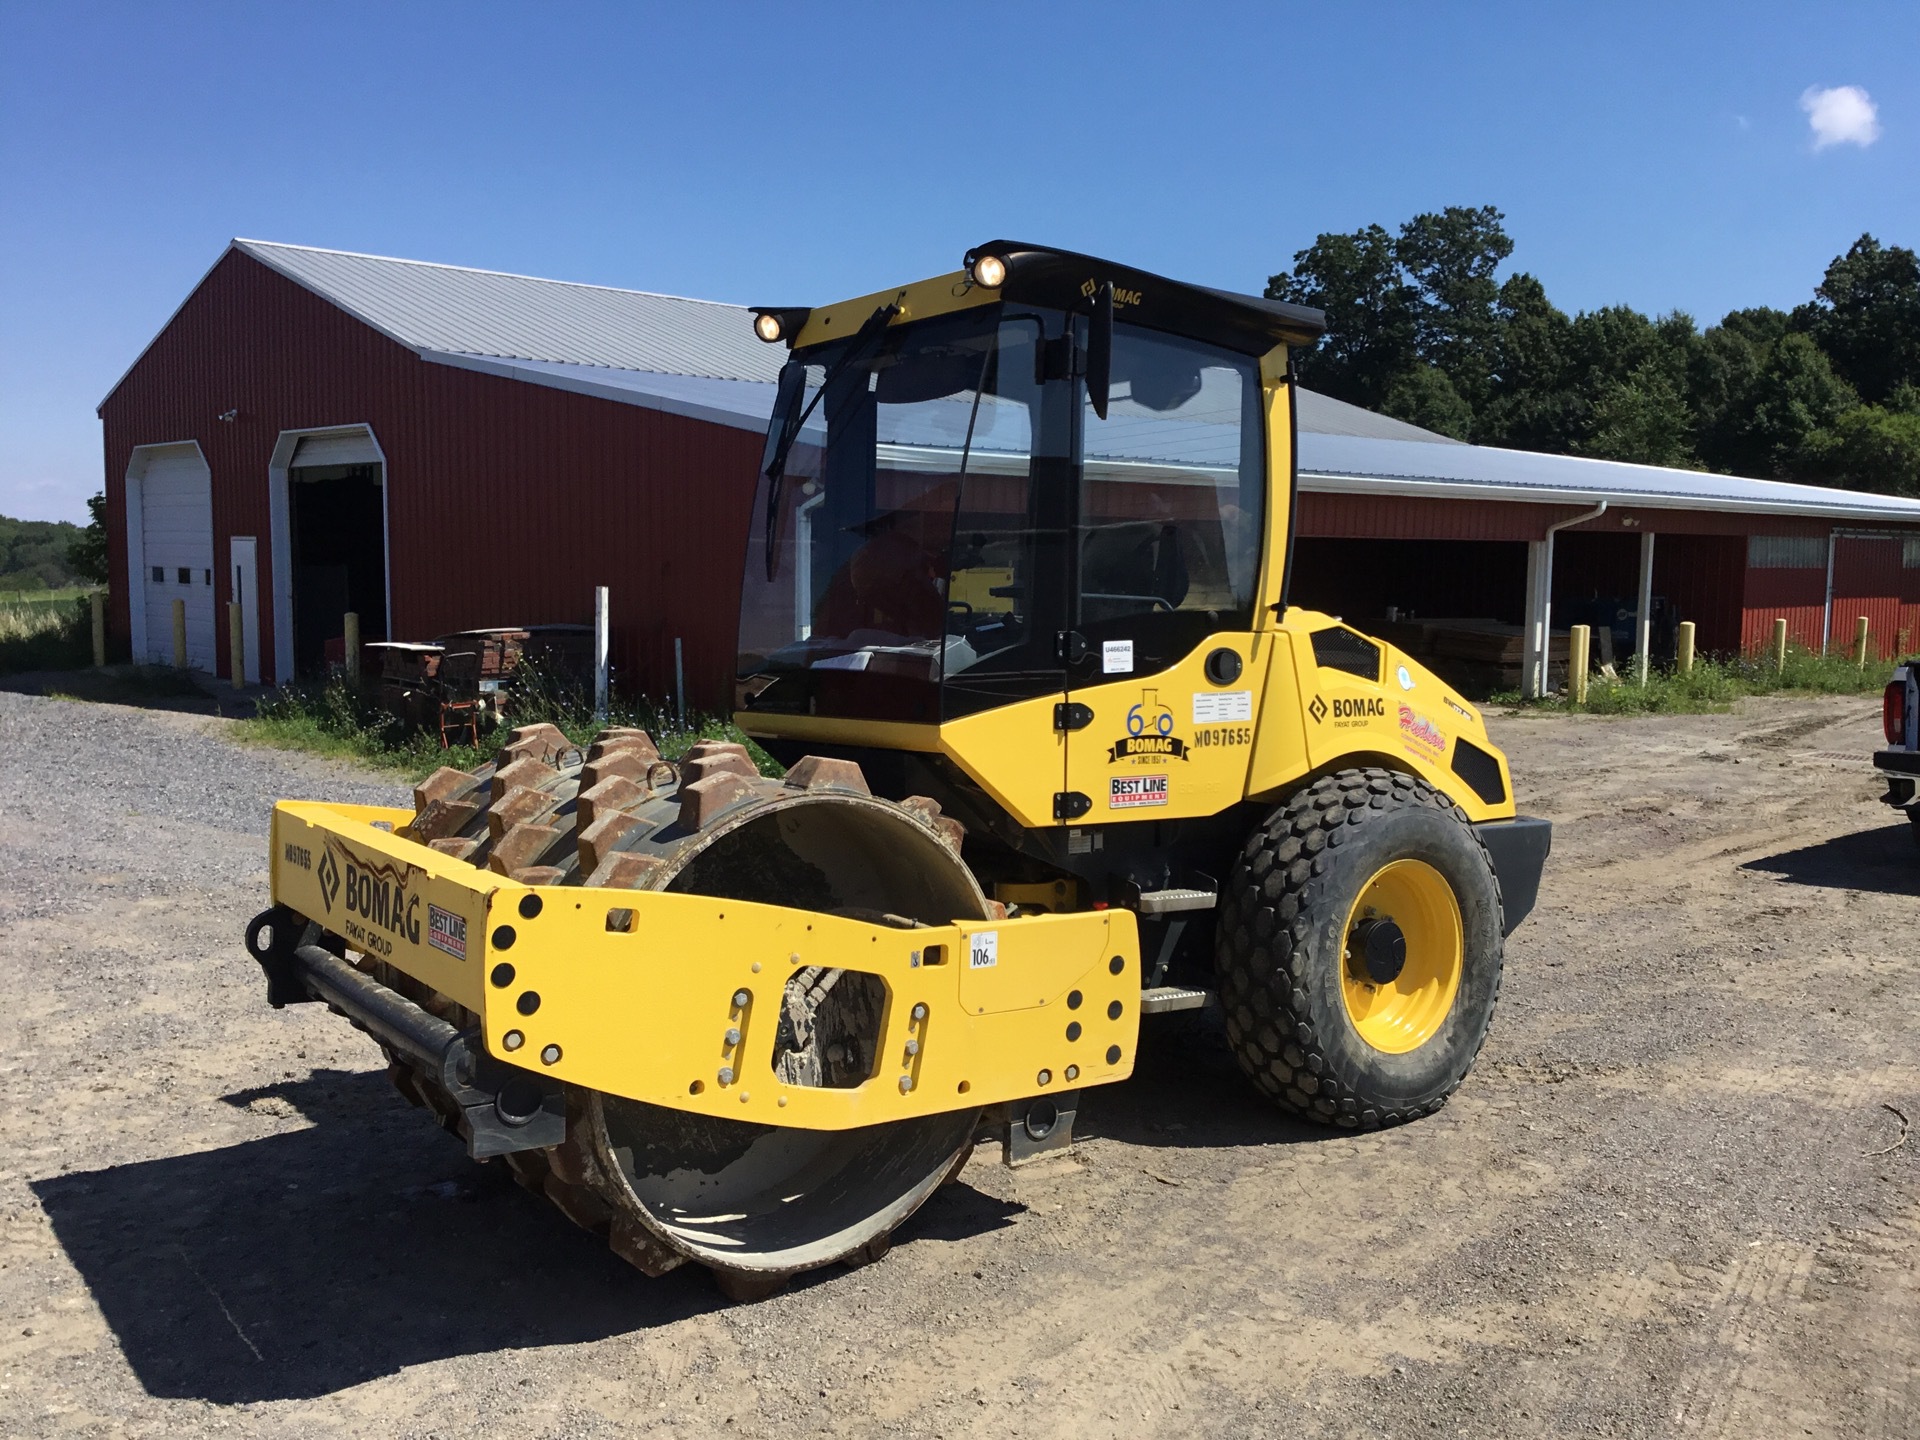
(1653, 155)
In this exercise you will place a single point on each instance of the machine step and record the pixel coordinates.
(1164, 998)
(1166, 902)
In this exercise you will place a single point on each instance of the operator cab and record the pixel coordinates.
(979, 494)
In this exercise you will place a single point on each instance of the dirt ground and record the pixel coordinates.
(1655, 1208)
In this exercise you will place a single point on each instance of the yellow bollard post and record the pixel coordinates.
(97, 602)
(352, 656)
(1683, 650)
(1860, 627)
(1579, 641)
(179, 634)
(236, 645)
(1780, 646)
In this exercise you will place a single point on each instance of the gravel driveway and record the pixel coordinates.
(1654, 1209)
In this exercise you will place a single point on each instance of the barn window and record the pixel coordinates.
(1786, 552)
(1910, 554)
(159, 576)
(207, 578)
(186, 575)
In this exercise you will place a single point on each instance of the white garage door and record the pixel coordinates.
(176, 531)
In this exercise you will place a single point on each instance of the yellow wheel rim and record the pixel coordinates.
(1412, 901)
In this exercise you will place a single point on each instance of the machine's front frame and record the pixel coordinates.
(634, 993)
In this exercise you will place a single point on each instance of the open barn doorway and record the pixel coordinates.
(1457, 606)
(330, 547)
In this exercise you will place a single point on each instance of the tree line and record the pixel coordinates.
(1422, 327)
(47, 554)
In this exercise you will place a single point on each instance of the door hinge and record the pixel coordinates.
(1070, 646)
(1071, 805)
(1071, 715)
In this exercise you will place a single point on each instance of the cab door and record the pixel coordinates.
(1008, 574)
(1164, 668)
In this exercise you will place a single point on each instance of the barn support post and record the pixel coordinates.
(599, 654)
(1537, 641)
(1643, 629)
(679, 682)
(236, 645)
(1826, 613)
(97, 604)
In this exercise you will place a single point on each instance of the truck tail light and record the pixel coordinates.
(1893, 712)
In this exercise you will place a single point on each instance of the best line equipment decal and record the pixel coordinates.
(1132, 792)
(447, 932)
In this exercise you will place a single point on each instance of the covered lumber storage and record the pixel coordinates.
(1477, 560)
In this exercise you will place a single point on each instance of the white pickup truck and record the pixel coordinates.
(1899, 763)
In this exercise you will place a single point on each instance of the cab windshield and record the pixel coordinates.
(954, 528)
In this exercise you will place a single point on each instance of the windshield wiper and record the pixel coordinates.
(864, 346)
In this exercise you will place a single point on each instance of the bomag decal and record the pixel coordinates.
(1091, 288)
(377, 900)
(1149, 736)
(1420, 735)
(1348, 712)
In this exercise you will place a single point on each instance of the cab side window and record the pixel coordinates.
(1172, 498)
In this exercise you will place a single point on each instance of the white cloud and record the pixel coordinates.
(1842, 115)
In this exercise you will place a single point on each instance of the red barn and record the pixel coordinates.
(437, 449)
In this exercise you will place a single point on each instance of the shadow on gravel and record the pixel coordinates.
(308, 1262)
(1884, 860)
(1186, 1092)
(145, 687)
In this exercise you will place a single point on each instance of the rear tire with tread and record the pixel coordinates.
(1281, 949)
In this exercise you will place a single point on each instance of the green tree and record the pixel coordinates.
(1371, 309)
(1450, 257)
(1866, 315)
(1643, 418)
(1793, 394)
(1867, 448)
(1530, 406)
(87, 550)
(1424, 396)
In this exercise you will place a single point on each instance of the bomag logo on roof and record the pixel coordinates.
(1121, 297)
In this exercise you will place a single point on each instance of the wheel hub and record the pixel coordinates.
(1381, 947)
(1405, 956)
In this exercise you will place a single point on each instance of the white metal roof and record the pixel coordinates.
(454, 310)
(1358, 465)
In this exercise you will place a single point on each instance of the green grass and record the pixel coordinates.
(1713, 685)
(45, 630)
(334, 720)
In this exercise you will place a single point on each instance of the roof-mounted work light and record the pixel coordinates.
(989, 272)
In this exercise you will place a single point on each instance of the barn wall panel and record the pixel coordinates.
(1798, 595)
(507, 502)
(1703, 576)
(1403, 517)
(1870, 578)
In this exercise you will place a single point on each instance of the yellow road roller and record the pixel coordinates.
(1057, 756)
